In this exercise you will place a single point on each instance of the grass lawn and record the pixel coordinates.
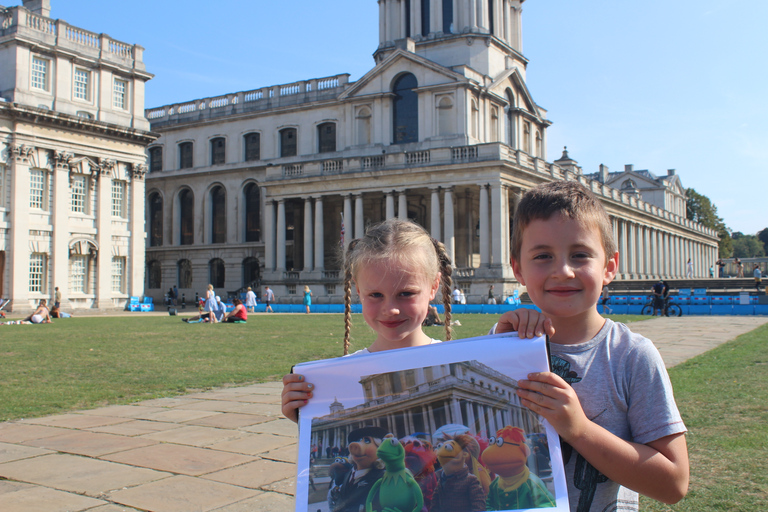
(86, 362)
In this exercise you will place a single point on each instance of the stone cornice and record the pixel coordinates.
(60, 120)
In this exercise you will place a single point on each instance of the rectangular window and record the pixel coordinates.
(78, 193)
(252, 147)
(118, 272)
(218, 146)
(40, 73)
(37, 189)
(82, 79)
(120, 94)
(77, 274)
(185, 155)
(155, 159)
(118, 199)
(37, 270)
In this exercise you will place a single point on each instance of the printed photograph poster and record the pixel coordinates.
(437, 427)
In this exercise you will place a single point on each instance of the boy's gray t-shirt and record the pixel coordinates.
(623, 386)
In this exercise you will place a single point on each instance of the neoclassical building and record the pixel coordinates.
(253, 187)
(73, 140)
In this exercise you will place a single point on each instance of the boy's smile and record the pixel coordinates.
(564, 267)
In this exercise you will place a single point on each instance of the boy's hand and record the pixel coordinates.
(527, 322)
(296, 393)
(548, 395)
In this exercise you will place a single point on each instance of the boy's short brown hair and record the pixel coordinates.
(569, 198)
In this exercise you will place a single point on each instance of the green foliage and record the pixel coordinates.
(763, 237)
(747, 246)
(700, 209)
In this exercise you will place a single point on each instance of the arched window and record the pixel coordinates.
(218, 215)
(186, 217)
(445, 124)
(218, 150)
(156, 159)
(216, 272)
(425, 15)
(250, 272)
(511, 118)
(252, 146)
(475, 119)
(363, 126)
(154, 275)
(155, 220)
(326, 137)
(185, 155)
(405, 110)
(527, 137)
(539, 146)
(447, 16)
(184, 273)
(490, 16)
(252, 213)
(288, 142)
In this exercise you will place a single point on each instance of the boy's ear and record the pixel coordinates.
(611, 268)
(516, 269)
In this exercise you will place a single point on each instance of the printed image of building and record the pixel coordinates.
(423, 400)
(72, 162)
(254, 187)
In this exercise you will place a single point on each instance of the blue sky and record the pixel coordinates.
(658, 84)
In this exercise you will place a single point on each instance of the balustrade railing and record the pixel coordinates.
(333, 166)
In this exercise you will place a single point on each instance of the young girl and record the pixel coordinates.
(397, 269)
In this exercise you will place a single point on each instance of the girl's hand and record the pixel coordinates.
(296, 393)
(548, 395)
(527, 322)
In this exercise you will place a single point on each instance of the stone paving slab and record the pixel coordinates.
(225, 450)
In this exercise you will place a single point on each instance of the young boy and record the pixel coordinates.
(608, 396)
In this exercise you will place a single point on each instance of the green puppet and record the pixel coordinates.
(397, 490)
(515, 486)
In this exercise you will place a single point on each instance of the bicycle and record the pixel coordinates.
(668, 309)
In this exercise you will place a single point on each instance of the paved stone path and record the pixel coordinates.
(227, 450)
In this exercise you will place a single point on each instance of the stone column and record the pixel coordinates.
(348, 225)
(103, 288)
(308, 232)
(359, 222)
(319, 235)
(390, 205)
(60, 218)
(18, 286)
(402, 205)
(280, 246)
(497, 234)
(631, 260)
(449, 240)
(623, 247)
(434, 217)
(485, 259)
(269, 234)
(137, 256)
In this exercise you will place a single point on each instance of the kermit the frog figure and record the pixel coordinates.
(397, 490)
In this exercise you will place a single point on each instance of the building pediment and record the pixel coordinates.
(512, 79)
(380, 79)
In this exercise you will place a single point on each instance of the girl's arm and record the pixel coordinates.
(296, 393)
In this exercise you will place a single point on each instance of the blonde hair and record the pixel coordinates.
(568, 198)
(400, 240)
(210, 287)
(306, 288)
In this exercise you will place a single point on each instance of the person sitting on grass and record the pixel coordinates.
(216, 315)
(239, 314)
(41, 315)
(56, 312)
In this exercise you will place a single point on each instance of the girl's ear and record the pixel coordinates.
(435, 286)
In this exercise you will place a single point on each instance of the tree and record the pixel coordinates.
(747, 246)
(700, 209)
(763, 237)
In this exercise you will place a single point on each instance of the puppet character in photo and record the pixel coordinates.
(397, 490)
(367, 468)
(458, 489)
(338, 471)
(514, 487)
(420, 460)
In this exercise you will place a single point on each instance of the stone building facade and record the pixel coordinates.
(254, 187)
(73, 140)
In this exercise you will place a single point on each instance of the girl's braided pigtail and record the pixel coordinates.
(348, 295)
(446, 269)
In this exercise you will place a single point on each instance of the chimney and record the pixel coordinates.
(629, 167)
(41, 7)
(602, 175)
(670, 172)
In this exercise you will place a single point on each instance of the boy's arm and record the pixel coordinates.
(658, 469)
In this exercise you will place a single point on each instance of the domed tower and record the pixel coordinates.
(485, 35)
